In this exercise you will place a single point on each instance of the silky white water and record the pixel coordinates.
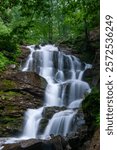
(65, 87)
(33, 118)
(60, 123)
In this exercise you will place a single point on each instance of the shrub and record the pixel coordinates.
(4, 61)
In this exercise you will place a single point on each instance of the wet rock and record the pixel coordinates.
(60, 143)
(15, 146)
(43, 124)
(28, 143)
(37, 47)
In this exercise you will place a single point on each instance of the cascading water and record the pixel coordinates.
(60, 123)
(65, 87)
(33, 118)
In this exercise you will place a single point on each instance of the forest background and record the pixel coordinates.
(45, 21)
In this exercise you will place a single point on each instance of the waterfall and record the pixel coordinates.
(65, 87)
(29, 62)
(33, 118)
(60, 123)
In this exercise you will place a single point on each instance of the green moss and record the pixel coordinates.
(91, 108)
(10, 108)
(8, 95)
(6, 119)
(8, 84)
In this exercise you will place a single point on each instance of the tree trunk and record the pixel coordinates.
(87, 42)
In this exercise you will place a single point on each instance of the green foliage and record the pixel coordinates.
(3, 61)
(8, 57)
(34, 21)
(48, 20)
(91, 108)
(4, 30)
(8, 46)
(9, 49)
